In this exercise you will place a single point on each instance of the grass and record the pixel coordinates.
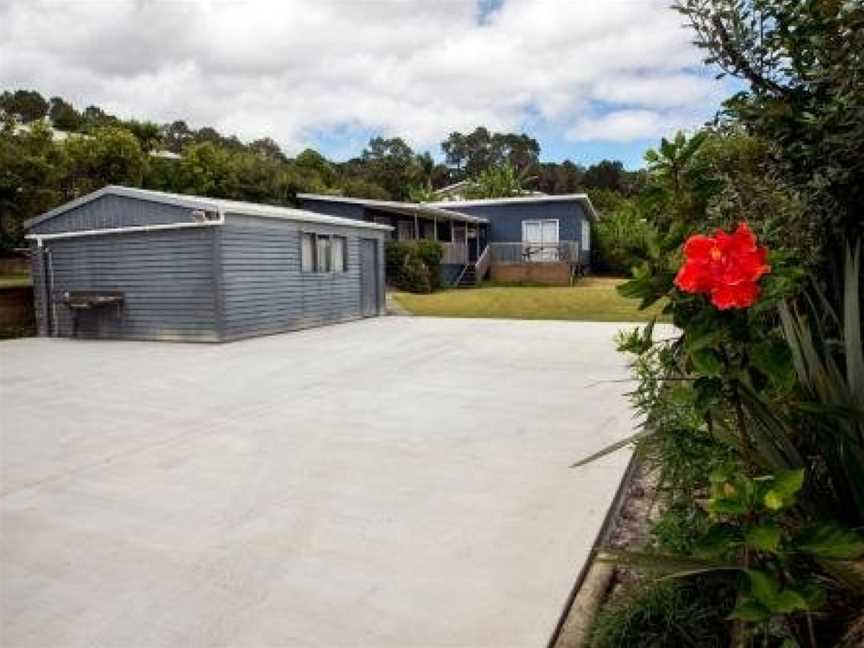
(14, 280)
(591, 299)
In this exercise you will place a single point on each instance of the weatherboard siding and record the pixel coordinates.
(263, 287)
(353, 211)
(505, 220)
(111, 211)
(166, 276)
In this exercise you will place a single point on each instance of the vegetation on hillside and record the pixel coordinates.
(40, 172)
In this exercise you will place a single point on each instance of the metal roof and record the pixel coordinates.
(580, 197)
(208, 204)
(406, 208)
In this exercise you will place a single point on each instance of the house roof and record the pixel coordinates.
(218, 205)
(456, 204)
(407, 208)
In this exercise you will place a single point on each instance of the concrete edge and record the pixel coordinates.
(592, 582)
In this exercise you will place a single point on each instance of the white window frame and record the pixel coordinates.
(313, 265)
(546, 250)
(585, 243)
(539, 222)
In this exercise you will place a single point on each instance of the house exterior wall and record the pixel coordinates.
(166, 276)
(334, 208)
(505, 220)
(264, 290)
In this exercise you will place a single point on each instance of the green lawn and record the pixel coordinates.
(591, 299)
(10, 281)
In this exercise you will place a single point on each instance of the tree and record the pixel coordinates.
(26, 105)
(111, 155)
(268, 148)
(312, 161)
(479, 150)
(606, 174)
(561, 178)
(360, 188)
(391, 164)
(63, 115)
(803, 63)
(30, 181)
(176, 135)
(206, 170)
(94, 117)
(496, 182)
(148, 134)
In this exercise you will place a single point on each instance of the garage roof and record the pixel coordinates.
(218, 205)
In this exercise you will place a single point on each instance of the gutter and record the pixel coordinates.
(39, 238)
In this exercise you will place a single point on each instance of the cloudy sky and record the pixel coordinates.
(588, 78)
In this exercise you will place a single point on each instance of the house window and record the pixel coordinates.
(339, 250)
(323, 253)
(540, 240)
(586, 234)
(406, 230)
(307, 253)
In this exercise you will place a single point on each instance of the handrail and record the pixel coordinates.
(461, 274)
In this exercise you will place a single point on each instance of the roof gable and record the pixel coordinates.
(218, 205)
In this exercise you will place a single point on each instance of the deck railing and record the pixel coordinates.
(454, 253)
(561, 252)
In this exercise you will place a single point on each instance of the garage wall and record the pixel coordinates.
(167, 277)
(112, 211)
(263, 288)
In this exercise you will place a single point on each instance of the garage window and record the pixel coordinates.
(324, 253)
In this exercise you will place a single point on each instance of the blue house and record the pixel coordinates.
(527, 239)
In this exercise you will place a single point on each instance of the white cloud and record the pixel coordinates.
(593, 70)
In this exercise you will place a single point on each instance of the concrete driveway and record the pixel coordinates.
(391, 482)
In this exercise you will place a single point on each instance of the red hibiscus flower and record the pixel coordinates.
(725, 266)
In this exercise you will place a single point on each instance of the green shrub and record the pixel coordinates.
(414, 266)
(621, 239)
(430, 253)
(689, 612)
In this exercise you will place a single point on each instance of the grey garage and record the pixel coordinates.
(137, 264)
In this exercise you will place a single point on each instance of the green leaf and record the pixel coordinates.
(774, 359)
(789, 600)
(719, 538)
(702, 333)
(783, 489)
(708, 392)
(765, 537)
(729, 507)
(765, 588)
(707, 362)
(750, 610)
(829, 540)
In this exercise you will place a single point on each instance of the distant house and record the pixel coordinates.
(455, 191)
(460, 191)
(61, 136)
(536, 239)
